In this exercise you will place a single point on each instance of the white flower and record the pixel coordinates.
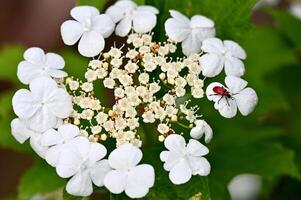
(200, 129)
(221, 54)
(38, 64)
(235, 95)
(43, 105)
(182, 161)
(57, 141)
(295, 9)
(21, 132)
(127, 175)
(128, 15)
(81, 160)
(89, 28)
(190, 32)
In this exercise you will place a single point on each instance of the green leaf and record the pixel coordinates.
(10, 56)
(100, 4)
(231, 17)
(38, 180)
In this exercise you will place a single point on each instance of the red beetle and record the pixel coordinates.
(223, 92)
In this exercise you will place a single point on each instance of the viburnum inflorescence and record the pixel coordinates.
(69, 126)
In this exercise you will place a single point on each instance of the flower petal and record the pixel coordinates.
(213, 45)
(80, 185)
(211, 64)
(140, 179)
(53, 155)
(144, 21)
(34, 55)
(200, 166)
(235, 84)
(199, 21)
(59, 103)
(175, 143)
(42, 120)
(246, 101)
(68, 131)
(71, 31)
(176, 31)
(125, 157)
(56, 73)
(150, 9)
(99, 171)
(97, 152)
(20, 131)
(35, 143)
(226, 107)
(191, 45)
(42, 87)
(28, 71)
(170, 158)
(91, 44)
(179, 17)
(115, 12)
(24, 104)
(103, 24)
(235, 49)
(124, 26)
(83, 13)
(180, 173)
(51, 137)
(54, 61)
(195, 148)
(234, 67)
(115, 181)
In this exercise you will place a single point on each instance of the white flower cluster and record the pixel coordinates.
(68, 125)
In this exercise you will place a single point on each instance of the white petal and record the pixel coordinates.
(208, 133)
(235, 84)
(99, 171)
(226, 107)
(246, 101)
(24, 104)
(199, 21)
(211, 95)
(200, 166)
(42, 120)
(96, 153)
(54, 61)
(191, 45)
(91, 44)
(51, 137)
(144, 21)
(213, 45)
(71, 31)
(59, 103)
(180, 173)
(115, 181)
(179, 17)
(140, 179)
(195, 148)
(176, 31)
(80, 185)
(203, 128)
(175, 143)
(83, 13)
(126, 4)
(204, 33)
(171, 159)
(27, 72)
(234, 67)
(115, 12)
(42, 88)
(235, 50)
(35, 55)
(103, 24)
(68, 131)
(35, 143)
(53, 155)
(56, 73)
(197, 132)
(125, 157)
(20, 130)
(211, 64)
(150, 9)
(124, 26)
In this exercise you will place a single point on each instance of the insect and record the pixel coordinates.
(223, 92)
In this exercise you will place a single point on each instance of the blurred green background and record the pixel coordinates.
(266, 143)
